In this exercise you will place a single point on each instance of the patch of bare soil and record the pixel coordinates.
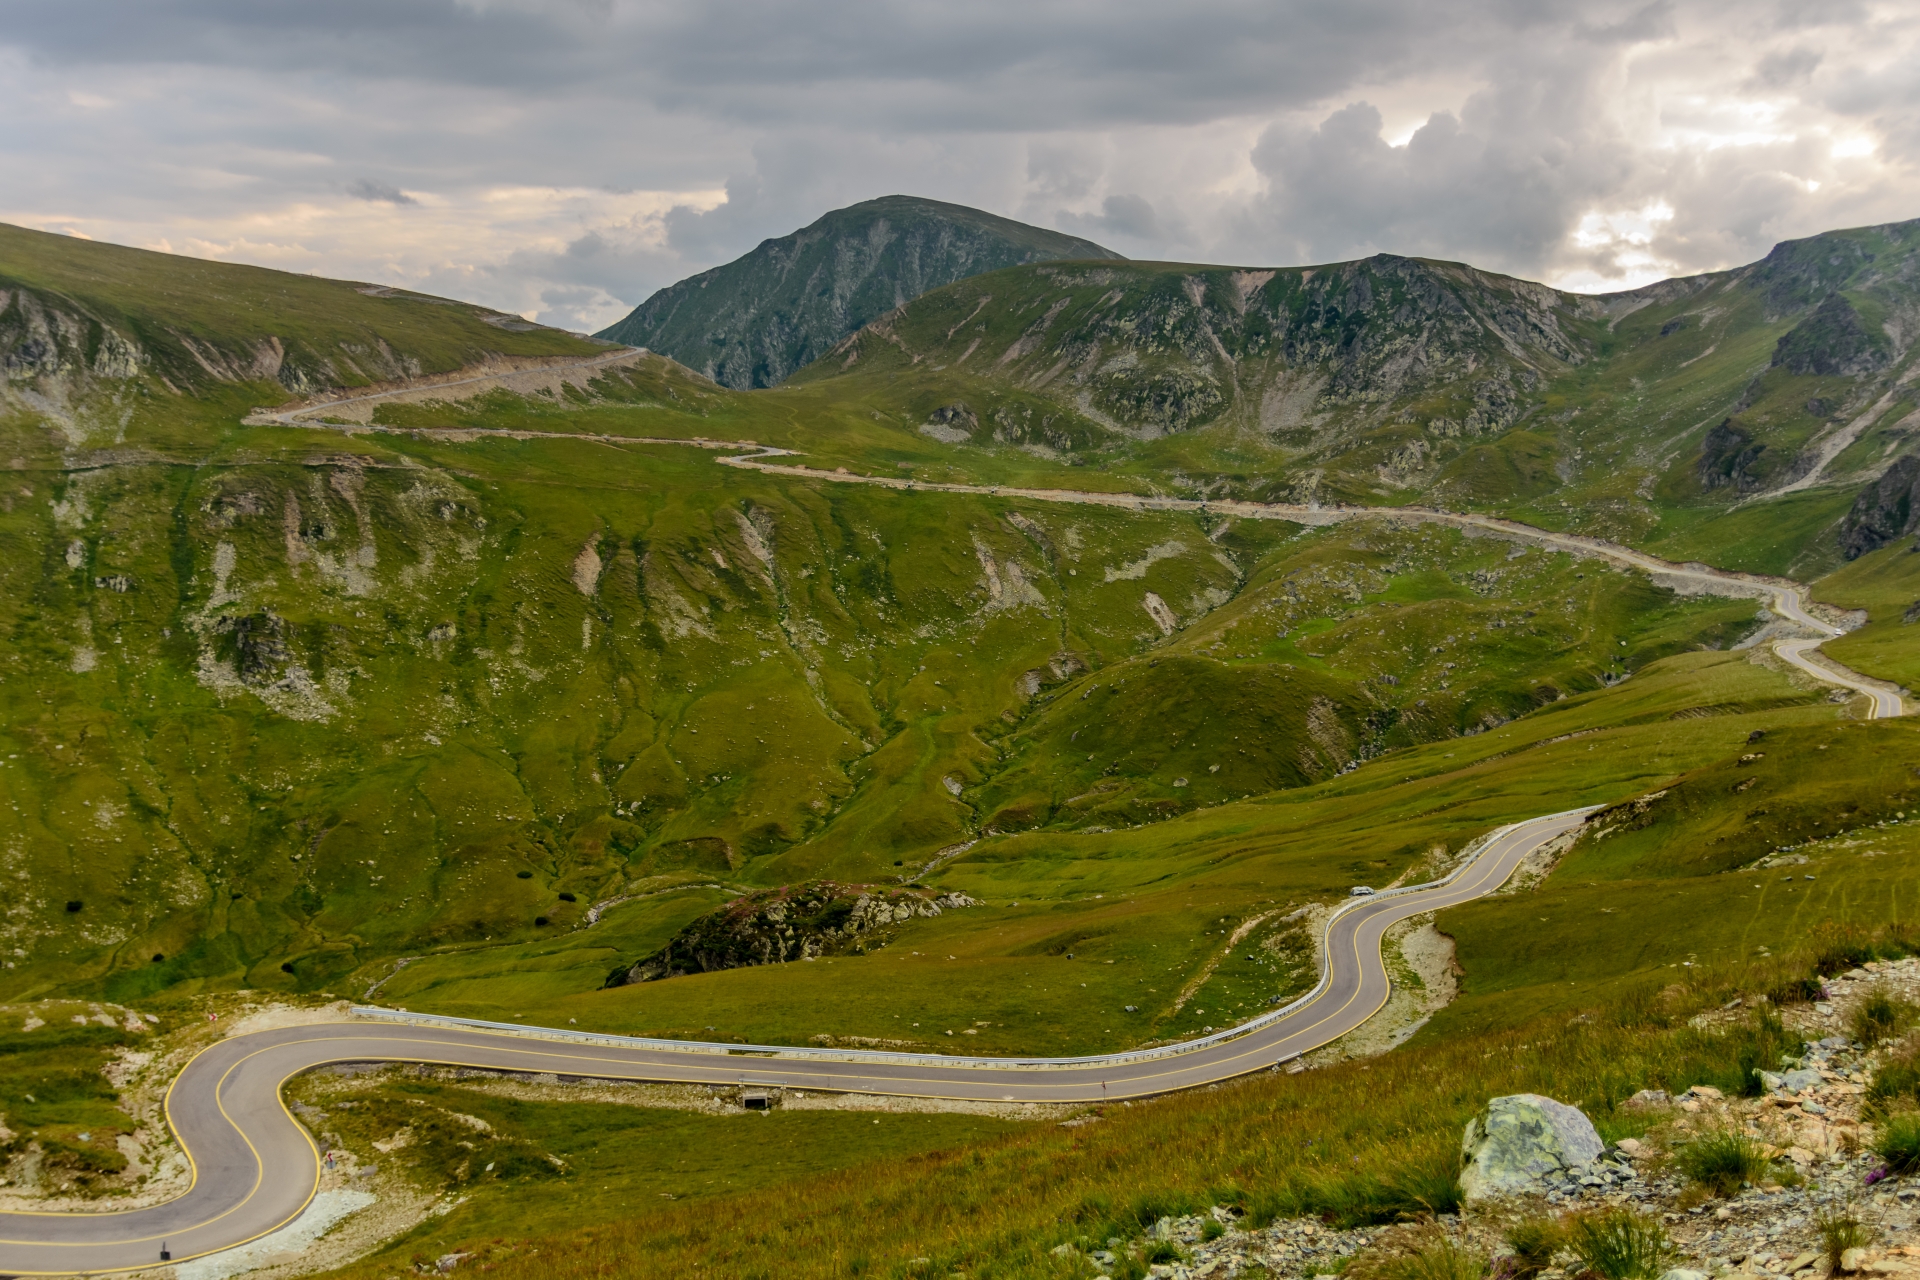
(522, 375)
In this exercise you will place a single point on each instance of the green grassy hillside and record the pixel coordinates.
(468, 707)
(285, 705)
(1676, 416)
(132, 324)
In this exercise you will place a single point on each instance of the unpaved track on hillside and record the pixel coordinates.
(255, 1169)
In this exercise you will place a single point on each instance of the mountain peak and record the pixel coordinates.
(755, 320)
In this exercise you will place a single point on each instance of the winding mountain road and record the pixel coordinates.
(255, 1169)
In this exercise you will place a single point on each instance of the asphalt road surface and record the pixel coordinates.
(1799, 651)
(255, 1168)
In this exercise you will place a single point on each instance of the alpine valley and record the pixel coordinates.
(931, 633)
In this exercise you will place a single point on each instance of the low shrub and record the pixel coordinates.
(1620, 1244)
(1722, 1162)
(1899, 1142)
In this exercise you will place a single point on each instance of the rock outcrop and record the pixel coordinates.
(1521, 1140)
(1883, 511)
(794, 922)
(1832, 342)
(1727, 455)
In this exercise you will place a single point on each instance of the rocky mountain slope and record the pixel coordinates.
(792, 923)
(285, 702)
(103, 335)
(1786, 382)
(755, 320)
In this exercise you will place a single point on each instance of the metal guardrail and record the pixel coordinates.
(803, 1054)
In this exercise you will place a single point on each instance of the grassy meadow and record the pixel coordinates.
(1358, 1143)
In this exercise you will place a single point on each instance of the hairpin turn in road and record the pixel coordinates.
(255, 1169)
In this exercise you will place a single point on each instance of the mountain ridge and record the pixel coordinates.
(1392, 378)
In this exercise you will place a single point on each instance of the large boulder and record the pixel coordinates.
(1521, 1140)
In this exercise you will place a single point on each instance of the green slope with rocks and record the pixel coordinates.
(754, 321)
(518, 686)
(1731, 416)
(466, 705)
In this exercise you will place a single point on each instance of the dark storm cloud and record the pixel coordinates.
(987, 64)
(1121, 217)
(368, 189)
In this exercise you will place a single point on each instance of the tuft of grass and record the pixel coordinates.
(1162, 1251)
(1439, 1257)
(1879, 1016)
(1839, 1230)
(1327, 1144)
(1896, 1085)
(1534, 1240)
(1798, 990)
(1899, 1142)
(1620, 1244)
(1149, 1209)
(1840, 947)
(1768, 1043)
(1429, 1181)
(1722, 1162)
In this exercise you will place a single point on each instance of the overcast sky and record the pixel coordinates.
(564, 158)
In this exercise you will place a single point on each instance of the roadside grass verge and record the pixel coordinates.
(519, 1166)
(1336, 1143)
(56, 1094)
(1885, 583)
(1145, 912)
